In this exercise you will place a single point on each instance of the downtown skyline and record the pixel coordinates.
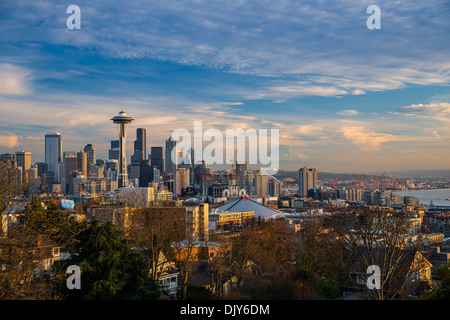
(345, 98)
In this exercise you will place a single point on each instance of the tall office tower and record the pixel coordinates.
(41, 167)
(169, 165)
(274, 186)
(23, 160)
(248, 181)
(140, 145)
(181, 180)
(71, 161)
(307, 179)
(122, 121)
(53, 151)
(145, 173)
(82, 162)
(261, 184)
(157, 159)
(91, 159)
(61, 174)
(114, 151)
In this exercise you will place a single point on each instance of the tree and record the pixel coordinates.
(109, 270)
(376, 237)
(317, 250)
(31, 242)
(442, 290)
(153, 231)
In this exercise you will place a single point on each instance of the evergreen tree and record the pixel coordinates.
(109, 270)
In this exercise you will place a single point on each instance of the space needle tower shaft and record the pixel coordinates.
(122, 121)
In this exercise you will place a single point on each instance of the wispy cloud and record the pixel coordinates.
(349, 112)
(14, 80)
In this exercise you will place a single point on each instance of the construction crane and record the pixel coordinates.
(378, 180)
(359, 181)
(334, 184)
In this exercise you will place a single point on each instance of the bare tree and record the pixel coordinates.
(153, 231)
(376, 237)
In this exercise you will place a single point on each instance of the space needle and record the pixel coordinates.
(122, 121)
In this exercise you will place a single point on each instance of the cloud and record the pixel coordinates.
(308, 129)
(366, 139)
(274, 39)
(8, 140)
(14, 80)
(436, 111)
(348, 112)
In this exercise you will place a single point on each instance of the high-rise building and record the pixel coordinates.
(91, 158)
(157, 159)
(41, 167)
(181, 180)
(274, 187)
(122, 121)
(169, 165)
(114, 151)
(71, 161)
(82, 162)
(140, 145)
(262, 184)
(53, 151)
(145, 173)
(23, 160)
(307, 179)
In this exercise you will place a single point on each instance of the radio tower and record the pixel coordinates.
(122, 121)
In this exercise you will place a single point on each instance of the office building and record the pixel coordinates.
(181, 180)
(157, 159)
(91, 159)
(71, 165)
(23, 160)
(113, 153)
(307, 179)
(261, 184)
(41, 167)
(53, 151)
(169, 165)
(82, 162)
(140, 146)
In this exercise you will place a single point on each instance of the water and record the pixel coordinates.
(438, 196)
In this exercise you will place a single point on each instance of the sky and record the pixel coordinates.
(345, 98)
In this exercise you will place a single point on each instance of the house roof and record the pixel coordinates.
(245, 205)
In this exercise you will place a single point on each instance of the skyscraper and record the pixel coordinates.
(53, 150)
(140, 145)
(91, 158)
(122, 121)
(114, 151)
(71, 161)
(82, 162)
(307, 179)
(157, 159)
(169, 165)
(261, 184)
(23, 160)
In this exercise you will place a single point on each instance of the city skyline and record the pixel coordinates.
(345, 98)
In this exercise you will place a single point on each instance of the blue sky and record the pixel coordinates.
(345, 98)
